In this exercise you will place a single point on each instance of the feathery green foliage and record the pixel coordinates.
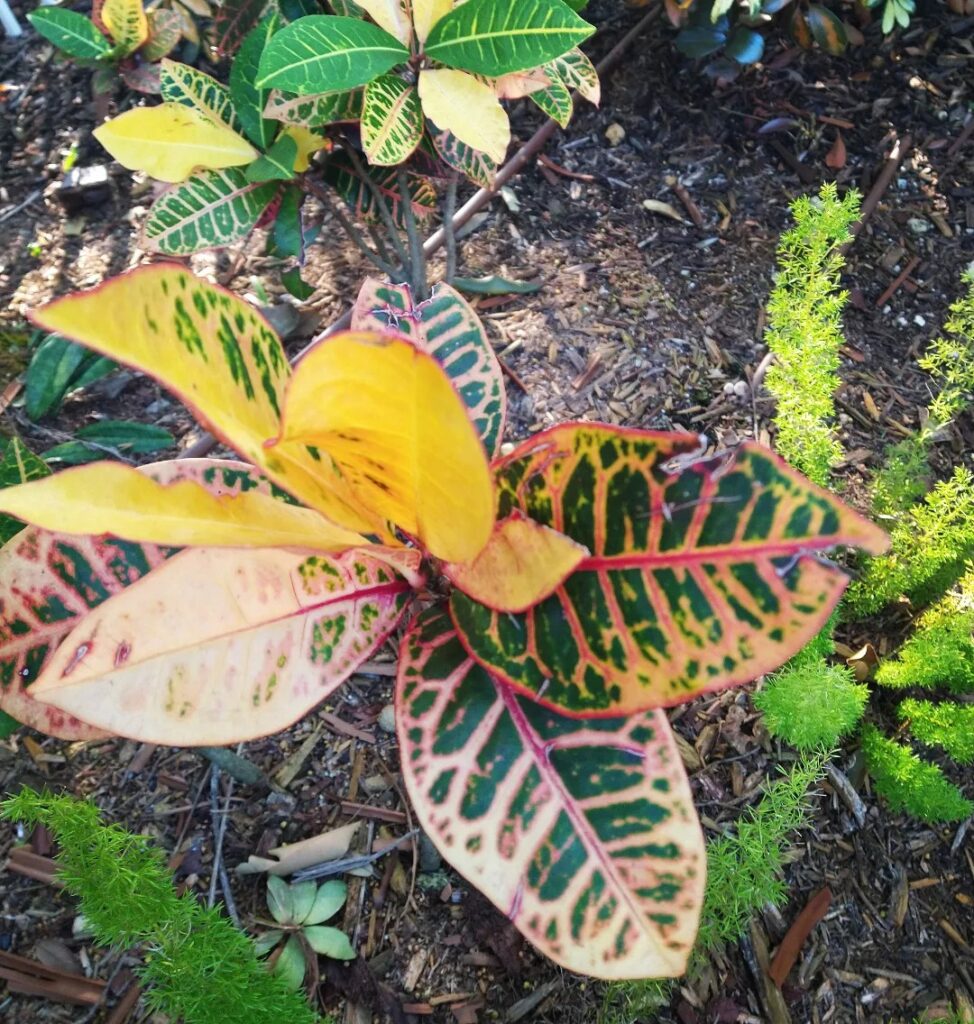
(930, 546)
(946, 724)
(950, 359)
(744, 874)
(804, 329)
(909, 784)
(198, 968)
(811, 704)
(941, 650)
(904, 477)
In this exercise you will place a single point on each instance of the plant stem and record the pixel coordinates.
(380, 204)
(449, 235)
(355, 236)
(417, 258)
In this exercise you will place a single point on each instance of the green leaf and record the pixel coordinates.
(580, 831)
(18, 465)
(302, 900)
(828, 30)
(329, 899)
(701, 40)
(52, 368)
(71, 32)
(280, 900)
(288, 231)
(451, 332)
(127, 436)
(290, 965)
(249, 101)
(277, 164)
(315, 111)
(263, 944)
(494, 285)
(745, 45)
(392, 120)
(703, 571)
(556, 102)
(92, 371)
(73, 453)
(326, 53)
(208, 209)
(296, 285)
(494, 38)
(473, 164)
(8, 725)
(329, 942)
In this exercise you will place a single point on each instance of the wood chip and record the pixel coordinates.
(531, 1002)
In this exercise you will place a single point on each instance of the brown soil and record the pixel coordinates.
(643, 320)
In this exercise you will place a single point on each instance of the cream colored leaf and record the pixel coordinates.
(390, 15)
(459, 103)
(169, 141)
(426, 13)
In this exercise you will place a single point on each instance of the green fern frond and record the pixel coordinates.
(804, 330)
(909, 784)
(811, 704)
(946, 724)
(198, 968)
(950, 359)
(929, 547)
(941, 650)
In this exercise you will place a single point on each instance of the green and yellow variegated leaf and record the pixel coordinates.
(582, 832)
(243, 644)
(466, 106)
(392, 120)
(451, 332)
(577, 72)
(219, 355)
(126, 23)
(471, 163)
(18, 465)
(71, 32)
(50, 581)
(340, 174)
(556, 102)
(209, 210)
(315, 111)
(704, 572)
(165, 31)
(182, 84)
(494, 39)
(327, 53)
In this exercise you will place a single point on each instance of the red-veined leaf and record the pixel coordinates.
(582, 832)
(234, 19)
(448, 329)
(704, 571)
(241, 644)
(165, 31)
(49, 581)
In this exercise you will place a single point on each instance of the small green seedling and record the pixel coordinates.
(300, 910)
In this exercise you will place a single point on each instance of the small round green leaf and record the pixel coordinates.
(279, 900)
(303, 896)
(290, 965)
(329, 900)
(329, 942)
(263, 944)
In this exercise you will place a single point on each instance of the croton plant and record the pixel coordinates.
(548, 603)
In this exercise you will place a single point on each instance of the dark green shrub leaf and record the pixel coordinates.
(52, 368)
(326, 53)
(701, 40)
(127, 436)
(496, 37)
(234, 19)
(71, 32)
(249, 101)
(745, 45)
(277, 164)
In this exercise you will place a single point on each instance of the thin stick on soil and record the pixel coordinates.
(417, 258)
(882, 183)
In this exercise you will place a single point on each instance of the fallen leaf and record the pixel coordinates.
(657, 206)
(816, 908)
(296, 856)
(836, 156)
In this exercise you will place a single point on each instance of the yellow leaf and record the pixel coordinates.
(461, 104)
(390, 15)
(426, 13)
(126, 22)
(220, 357)
(307, 142)
(521, 565)
(241, 644)
(169, 141)
(400, 436)
(109, 498)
